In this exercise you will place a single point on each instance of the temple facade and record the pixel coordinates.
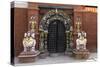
(55, 25)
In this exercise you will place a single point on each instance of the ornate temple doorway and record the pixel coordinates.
(55, 32)
(56, 38)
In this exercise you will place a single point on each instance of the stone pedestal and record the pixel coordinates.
(81, 54)
(27, 57)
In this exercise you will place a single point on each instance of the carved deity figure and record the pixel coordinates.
(29, 42)
(32, 24)
(78, 24)
(81, 41)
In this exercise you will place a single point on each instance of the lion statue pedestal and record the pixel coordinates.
(29, 53)
(81, 52)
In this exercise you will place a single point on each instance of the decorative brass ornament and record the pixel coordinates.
(32, 23)
(55, 15)
(78, 24)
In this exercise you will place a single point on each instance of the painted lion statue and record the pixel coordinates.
(81, 41)
(29, 42)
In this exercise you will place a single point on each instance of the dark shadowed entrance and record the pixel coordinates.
(56, 37)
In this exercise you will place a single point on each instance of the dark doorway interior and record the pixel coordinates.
(56, 40)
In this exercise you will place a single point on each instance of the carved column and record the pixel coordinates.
(33, 10)
(78, 12)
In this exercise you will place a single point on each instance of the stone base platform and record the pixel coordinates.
(27, 57)
(81, 54)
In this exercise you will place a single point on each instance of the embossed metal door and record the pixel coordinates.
(56, 37)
